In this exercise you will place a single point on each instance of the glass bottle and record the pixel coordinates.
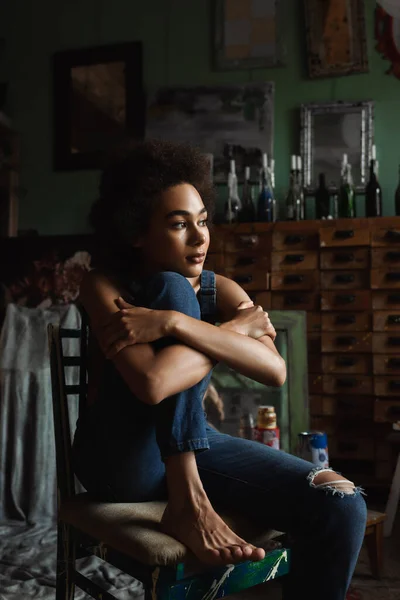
(322, 199)
(247, 214)
(299, 210)
(233, 204)
(397, 198)
(266, 196)
(346, 196)
(373, 193)
(291, 195)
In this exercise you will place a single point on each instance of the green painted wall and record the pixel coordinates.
(176, 35)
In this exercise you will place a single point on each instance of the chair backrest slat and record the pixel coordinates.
(60, 393)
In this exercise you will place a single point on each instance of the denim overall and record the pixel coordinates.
(120, 445)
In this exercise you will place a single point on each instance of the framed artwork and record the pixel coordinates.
(336, 37)
(98, 102)
(329, 130)
(248, 34)
(233, 121)
(387, 33)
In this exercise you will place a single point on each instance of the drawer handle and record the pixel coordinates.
(393, 363)
(345, 361)
(393, 341)
(293, 278)
(346, 383)
(394, 385)
(393, 319)
(245, 261)
(345, 298)
(294, 258)
(294, 239)
(392, 276)
(344, 234)
(347, 278)
(343, 257)
(346, 340)
(393, 298)
(345, 319)
(290, 300)
(393, 235)
(248, 240)
(243, 279)
(393, 256)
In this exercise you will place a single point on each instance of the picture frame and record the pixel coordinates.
(98, 103)
(335, 37)
(248, 34)
(329, 130)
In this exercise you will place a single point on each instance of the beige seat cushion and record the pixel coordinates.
(133, 528)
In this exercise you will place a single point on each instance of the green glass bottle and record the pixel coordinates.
(346, 196)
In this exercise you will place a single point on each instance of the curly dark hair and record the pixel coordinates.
(131, 183)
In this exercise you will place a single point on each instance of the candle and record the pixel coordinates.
(293, 162)
(373, 155)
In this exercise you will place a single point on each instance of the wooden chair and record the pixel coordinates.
(127, 535)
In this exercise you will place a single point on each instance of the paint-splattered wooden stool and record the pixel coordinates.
(374, 541)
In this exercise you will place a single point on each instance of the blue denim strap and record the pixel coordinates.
(208, 297)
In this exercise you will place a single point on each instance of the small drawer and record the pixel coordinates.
(262, 299)
(344, 258)
(347, 384)
(314, 362)
(343, 236)
(383, 450)
(385, 236)
(322, 405)
(354, 449)
(314, 321)
(295, 301)
(350, 280)
(214, 262)
(313, 343)
(249, 278)
(292, 240)
(382, 279)
(386, 365)
(237, 242)
(247, 258)
(383, 470)
(300, 280)
(291, 261)
(349, 364)
(387, 411)
(216, 241)
(387, 257)
(351, 300)
(386, 385)
(348, 406)
(345, 321)
(315, 383)
(326, 424)
(386, 300)
(386, 320)
(346, 342)
(386, 343)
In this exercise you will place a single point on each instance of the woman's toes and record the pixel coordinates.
(258, 554)
(247, 550)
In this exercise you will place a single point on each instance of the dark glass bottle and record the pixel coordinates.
(373, 194)
(397, 198)
(322, 199)
(265, 200)
(247, 213)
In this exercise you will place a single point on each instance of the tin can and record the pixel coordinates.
(266, 417)
(313, 446)
(246, 426)
(269, 437)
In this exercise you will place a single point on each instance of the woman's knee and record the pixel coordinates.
(168, 290)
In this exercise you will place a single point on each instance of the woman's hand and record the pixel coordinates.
(252, 321)
(131, 325)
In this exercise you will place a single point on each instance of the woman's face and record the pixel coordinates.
(178, 237)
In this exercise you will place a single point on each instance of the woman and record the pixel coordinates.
(152, 311)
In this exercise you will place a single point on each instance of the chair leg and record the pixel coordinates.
(65, 585)
(374, 543)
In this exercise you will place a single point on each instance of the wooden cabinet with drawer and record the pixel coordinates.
(346, 321)
(344, 280)
(385, 257)
(352, 448)
(386, 364)
(249, 278)
(385, 236)
(387, 385)
(344, 236)
(386, 320)
(348, 364)
(294, 261)
(344, 258)
(387, 411)
(386, 343)
(352, 300)
(339, 383)
(387, 300)
(300, 280)
(295, 300)
(354, 341)
(294, 237)
(244, 241)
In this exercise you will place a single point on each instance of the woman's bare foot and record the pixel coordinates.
(191, 519)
